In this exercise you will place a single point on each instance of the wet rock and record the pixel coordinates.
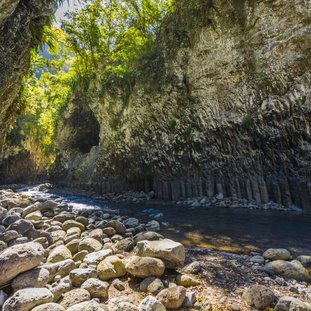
(193, 268)
(78, 276)
(153, 225)
(186, 280)
(287, 269)
(292, 304)
(111, 267)
(96, 257)
(277, 254)
(74, 297)
(150, 303)
(259, 297)
(49, 307)
(28, 298)
(131, 222)
(173, 297)
(86, 306)
(35, 278)
(96, 288)
(109, 231)
(10, 219)
(44, 187)
(83, 220)
(48, 205)
(60, 253)
(172, 253)
(151, 285)
(305, 261)
(21, 226)
(145, 266)
(19, 258)
(90, 245)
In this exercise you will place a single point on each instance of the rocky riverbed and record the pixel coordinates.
(54, 256)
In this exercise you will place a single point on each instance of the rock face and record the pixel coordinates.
(17, 18)
(236, 79)
(19, 258)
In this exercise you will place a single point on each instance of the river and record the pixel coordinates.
(232, 229)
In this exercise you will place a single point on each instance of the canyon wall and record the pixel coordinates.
(20, 24)
(221, 105)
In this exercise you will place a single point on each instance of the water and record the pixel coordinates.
(237, 230)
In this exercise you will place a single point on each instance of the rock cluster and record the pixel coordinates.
(55, 258)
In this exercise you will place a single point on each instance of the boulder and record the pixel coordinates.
(90, 245)
(277, 254)
(110, 268)
(151, 285)
(96, 257)
(117, 225)
(147, 236)
(35, 278)
(96, 288)
(59, 253)
(74, 297)
(173, 297)
(172, 253)
(19, 258)
(292, 304)
(131, 222)
(73, 246)
(78, 276)
(288, 269)
(49, 307)
(28, 298)
(305, 261)
(97, 234)
(72, 223)
(259, 297)
(150, 303)
(21, 226)
(34, 216)
(61, 268)
(193, 268)
(145, 266)
(86, 306)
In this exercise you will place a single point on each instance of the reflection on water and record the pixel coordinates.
(237, 230)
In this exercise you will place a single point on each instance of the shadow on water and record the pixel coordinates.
(236, 230)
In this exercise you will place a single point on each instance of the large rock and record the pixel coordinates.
(74, 297)
(173, 297)
(22, 226)
(78, 276)
(35, 278)
(59, 253)
(117, 225)
(90, 245)
(61, 268)
(288, 269)
(110, 268)
(292, 304)
(172, 253)
(49, 307)
(145, 266)
(151, 304)
(86, 306)
(96, 257)
(19, 258)
(151, 285)
(28, 298)
(259, 297)
(148, 236)
(96, 287)
(71, 224)
(277, 254)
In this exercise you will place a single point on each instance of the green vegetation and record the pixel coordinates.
(104, 40)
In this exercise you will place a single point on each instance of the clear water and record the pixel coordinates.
(237, 230)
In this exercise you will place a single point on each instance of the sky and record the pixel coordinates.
(67, 6)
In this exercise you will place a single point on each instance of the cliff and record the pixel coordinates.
(222, 105)
(20, 25)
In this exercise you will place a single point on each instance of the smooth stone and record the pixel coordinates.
(19, 258)
(145, 266)
(61, 268)
(90, 245)
(59, 253)
(277, 254)
(28, 298)
(72, 223)
(35, 278)
(96, 288)
(147, 236)
(110, 268)
(97, 257)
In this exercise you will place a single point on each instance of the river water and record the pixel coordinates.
(233, 229)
